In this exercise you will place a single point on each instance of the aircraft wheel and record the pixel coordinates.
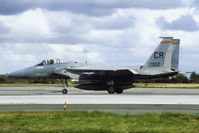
(64, 91)
(119, 91)
(111, 90)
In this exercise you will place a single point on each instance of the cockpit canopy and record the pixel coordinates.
(49, 62)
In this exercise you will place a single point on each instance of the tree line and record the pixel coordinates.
(6, 80)
(180, 78)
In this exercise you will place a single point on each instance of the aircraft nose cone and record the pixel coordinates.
(12, 75)
(16, 74)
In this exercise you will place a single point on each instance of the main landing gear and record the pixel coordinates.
(113, 88)
(64, 84)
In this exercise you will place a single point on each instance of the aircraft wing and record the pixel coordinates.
(97, 74)
(75, 73)
(101, 70)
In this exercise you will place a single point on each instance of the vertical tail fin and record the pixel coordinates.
(166, 55)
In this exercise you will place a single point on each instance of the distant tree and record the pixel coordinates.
(194, 78)
(4, 79)
(43, 81)
(180, 78)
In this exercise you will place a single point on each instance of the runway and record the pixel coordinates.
(133, 101)
(101, 99)
(131, 104)
(114, 108)
(56, 90)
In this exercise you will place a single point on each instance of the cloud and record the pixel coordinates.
(16, 56)
(3, 29)
(30, 26)
(185, 23)
(116, 21)
(93, 8)
(194, 3)
(39, 26)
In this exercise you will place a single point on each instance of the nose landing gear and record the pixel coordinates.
(64, 91)
(64, 85)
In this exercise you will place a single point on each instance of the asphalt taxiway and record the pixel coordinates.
(56, 90)
(132, 101)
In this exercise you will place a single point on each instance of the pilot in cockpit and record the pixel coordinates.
(48, 62)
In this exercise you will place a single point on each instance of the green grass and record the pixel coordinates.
(97, 122)
(166, 85)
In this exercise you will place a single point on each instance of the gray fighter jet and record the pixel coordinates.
(162, 63)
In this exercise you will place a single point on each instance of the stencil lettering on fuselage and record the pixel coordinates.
(158, 55)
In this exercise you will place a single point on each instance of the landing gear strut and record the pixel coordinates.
(64, 90)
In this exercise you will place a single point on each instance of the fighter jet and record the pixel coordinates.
(162, 63)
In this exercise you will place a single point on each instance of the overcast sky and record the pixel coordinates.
(107, 32)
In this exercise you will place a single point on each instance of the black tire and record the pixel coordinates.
(111, 89)
(119, 91)
(64, 91)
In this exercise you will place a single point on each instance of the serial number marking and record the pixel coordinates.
(155, 64)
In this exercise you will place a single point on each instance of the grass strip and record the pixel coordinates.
(97, 122)
(166, 85)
